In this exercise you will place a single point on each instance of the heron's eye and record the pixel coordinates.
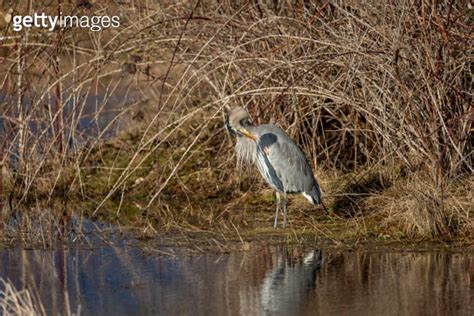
(244, 121)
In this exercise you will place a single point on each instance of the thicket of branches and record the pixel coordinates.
(359, 84)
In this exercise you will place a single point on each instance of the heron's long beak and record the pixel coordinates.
(248, 134)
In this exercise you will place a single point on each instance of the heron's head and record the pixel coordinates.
(238, 120)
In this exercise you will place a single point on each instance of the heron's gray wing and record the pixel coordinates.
(288, 161)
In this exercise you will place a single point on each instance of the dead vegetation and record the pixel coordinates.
(24, 302)
(378, 94)
(18, 302)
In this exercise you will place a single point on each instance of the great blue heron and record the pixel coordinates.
(280, 161)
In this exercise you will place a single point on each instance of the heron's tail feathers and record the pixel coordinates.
(314, 196)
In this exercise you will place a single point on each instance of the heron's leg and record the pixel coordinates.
(277, 209)
(285, 204)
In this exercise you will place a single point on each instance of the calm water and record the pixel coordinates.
(124, 280)
(97, 115)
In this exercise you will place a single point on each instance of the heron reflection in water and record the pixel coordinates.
(279, 160)
(287, 286)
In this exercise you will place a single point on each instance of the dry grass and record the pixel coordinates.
(15, 302)
(23, 302)
(378, 94)
(419, 210)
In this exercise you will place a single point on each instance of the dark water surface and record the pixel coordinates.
(94, 116)
(124, 280)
